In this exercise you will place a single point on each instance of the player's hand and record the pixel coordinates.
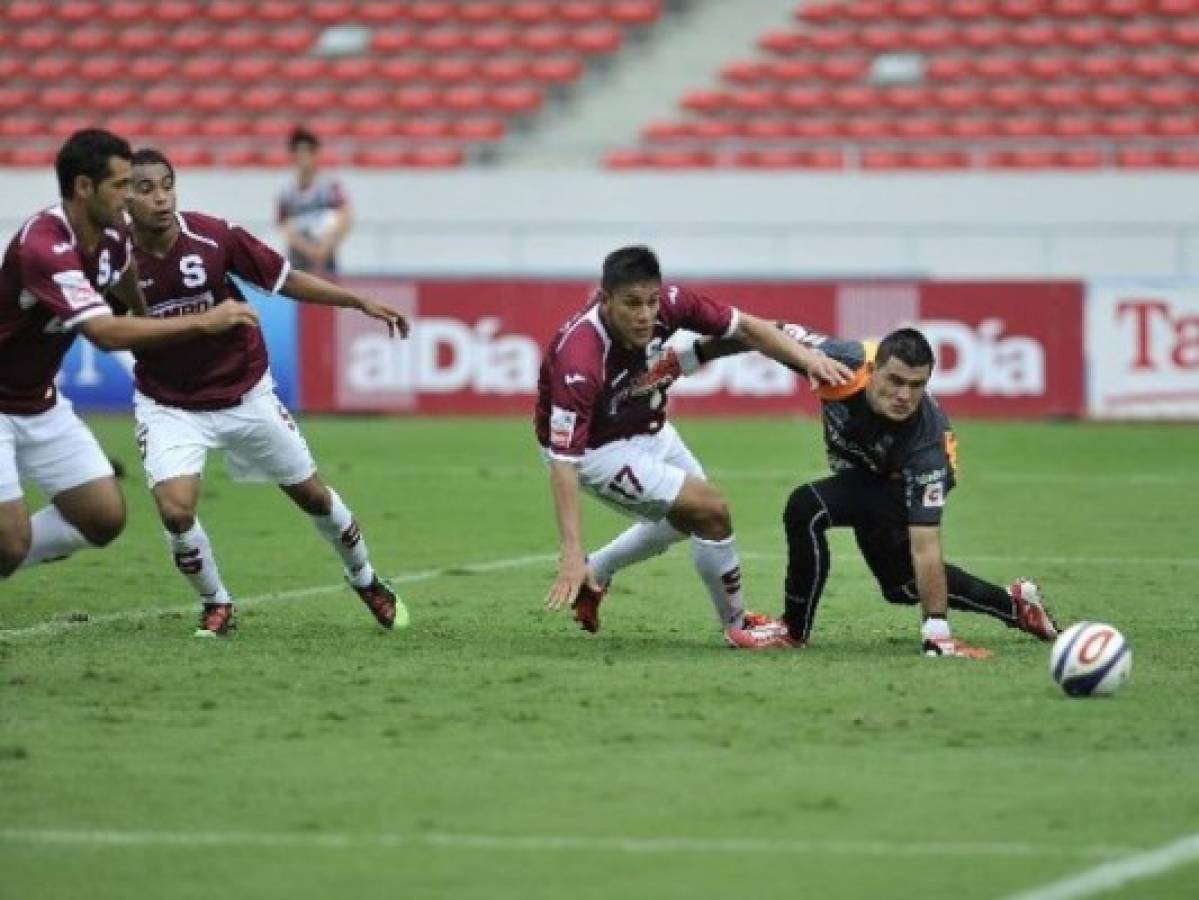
(228, 315)
(395, 320)
(823, 369)
(572, 572)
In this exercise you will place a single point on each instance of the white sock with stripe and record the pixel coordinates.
(719, 565)
(195, 561)
(638, 542)
(345, 537)
(53, 537)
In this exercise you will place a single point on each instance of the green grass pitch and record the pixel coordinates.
(494, 751)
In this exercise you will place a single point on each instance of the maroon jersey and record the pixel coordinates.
(210, 372)
(48, 285)
(592, 391)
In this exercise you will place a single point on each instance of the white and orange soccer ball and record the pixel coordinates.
(1090, 659)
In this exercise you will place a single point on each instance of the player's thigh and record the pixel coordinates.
(59, 453)
(882, 536)
(10, 477)
(262, 442)
(173, 443)
(629, 476)
(675, 452)
(15, 533)
(843, 497)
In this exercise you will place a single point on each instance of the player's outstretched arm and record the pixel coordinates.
(135, 333)
(572, 564)
(929, 566)
(764, 337)
(308, 288)
(128, 291)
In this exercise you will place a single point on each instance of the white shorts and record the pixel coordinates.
(260, 439)
(641, 475)
(54, 450)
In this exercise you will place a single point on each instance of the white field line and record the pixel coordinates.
(58, 626)
(1038, 560)
(540, 843)
(1118, 873)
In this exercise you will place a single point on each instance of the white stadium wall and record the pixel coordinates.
(770, 225)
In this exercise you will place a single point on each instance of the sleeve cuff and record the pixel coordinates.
(734, 324)
(562, 457)
(283, 273)
(90, 313)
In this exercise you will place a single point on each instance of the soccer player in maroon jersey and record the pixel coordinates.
(601, 423)
(53, 279)
(217, 392)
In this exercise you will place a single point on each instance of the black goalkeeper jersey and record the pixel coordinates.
(920, 452)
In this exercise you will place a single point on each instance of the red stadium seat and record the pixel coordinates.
(88, 39)
(1154, 65)
(38, 39)
(805, 99)
(1176, 125)
(139, 39)
(1139, 34)
(313, 98)
(424, 128)
(1076, 125)
(352, 68)
(278, 11)
(63, 126)
(1182, 158)
(907, 97)
(14, 98)
(21, 126)
(814, 127)
(531, 12)
(226, 12)
(914, 10)
(271, 127)
(666, 131)
(770, 128)
(1062, 95)
(1169, 96)
(465, 99)
(997, 66)
(111, 97)
(873, 159)
(706, 100)
(52, 68)
(263, 98)
(947, 68)
(435, 158)
(204, 68)
(11, 67)
(251, 69)
(799, 68)
(556, 70)
(402, 69)
(1185, 34)
(1030, 158)
(1014, 96)
(505, 69)
(60, 98)
(596, 40)
(171, 127)
(431, 12)
(1023, 126)
(1113, 95)
(744, 71)
(1172, 8)
(213, 97)
(881, 38)
(865, 128)
(164, 98)
(516, 100)
(580, 12)
(855, 97)
(754, 100)
(331, 12)
(968, 10)
(330, 126)
(478, 128)
(192, 39)
(919, 127)
(32, 155)
(443, 40)
(1023, 10)
(27, 11)
(983, 35)
(938, 159)
(833, 40)
(1102, 66)
(768, 159)
(1086, 35)
(453, 69)
(130, 125)
(392, 40)
(932, 37)
(1126, 125)
(959, 97)
(1035, 35)
(863, 12)
(415, 99)
(374, 128)
(626, 159)
(75, 12)
(481, 12)
(1081, 158)
(1050, 65)
(187, 156)
(295, 39)
(381, 12)
(1140, 158)
(224, 127)
(634, 12)
(234, 156)
(493, 39)
(782, 41)
(174, 12)
(151, 68)
(844, 68)
(972, 127)
(299, 70)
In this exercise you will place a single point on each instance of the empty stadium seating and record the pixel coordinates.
(949, 84)
(426, 83)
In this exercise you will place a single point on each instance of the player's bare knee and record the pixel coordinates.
(13, 550)
(313, 499)
(176, 517)
(103, 528)
(714, 520)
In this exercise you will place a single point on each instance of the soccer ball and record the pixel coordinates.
(1090, 659)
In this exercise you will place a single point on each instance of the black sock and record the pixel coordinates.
(971, 594)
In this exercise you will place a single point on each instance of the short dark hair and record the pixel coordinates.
(149, 156)
(301, 135)
(630, 265)
(87, 152)
(909, 346)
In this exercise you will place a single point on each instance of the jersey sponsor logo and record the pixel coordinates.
(934, 495)
(931, 477)
(104, 268)
(574, 378)
(182, 306)
(76, 289)
(60, 249)
(562, 427)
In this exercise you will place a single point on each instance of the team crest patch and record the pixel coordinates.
(76, 289)
(562, 427)
(934, 495)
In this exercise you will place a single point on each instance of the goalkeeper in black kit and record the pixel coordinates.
(894, 460)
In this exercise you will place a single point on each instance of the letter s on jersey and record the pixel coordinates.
(191, 267)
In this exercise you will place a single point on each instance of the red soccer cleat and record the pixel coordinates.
(1031, 613)
(951, 646)
(388, 610)
(772, 636)
(216, 620)
(586, 606)
(759, 620)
